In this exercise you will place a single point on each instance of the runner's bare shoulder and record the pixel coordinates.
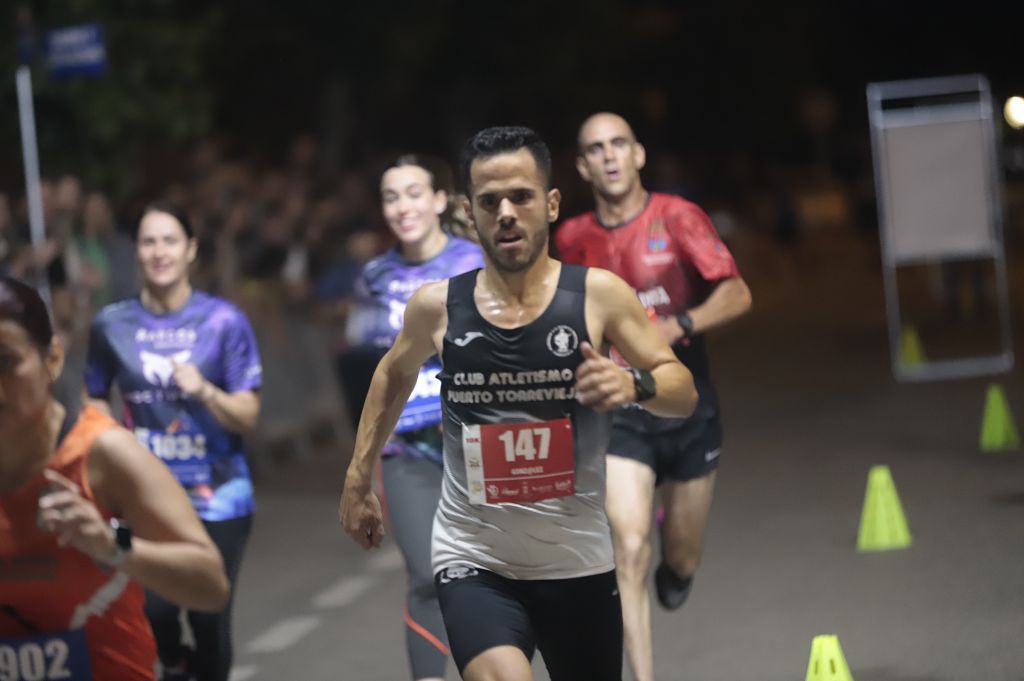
(428, 307)
(607, 286)
(119, 463)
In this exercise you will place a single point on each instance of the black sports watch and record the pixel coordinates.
(122, 541)
(644, 384)
(686, 324)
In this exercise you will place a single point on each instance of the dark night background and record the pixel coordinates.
(706, 80)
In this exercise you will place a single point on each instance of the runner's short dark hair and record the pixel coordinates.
(503, 140)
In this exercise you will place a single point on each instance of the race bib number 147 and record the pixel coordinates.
(519, 462)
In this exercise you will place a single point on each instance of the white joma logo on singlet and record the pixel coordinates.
(468, 338)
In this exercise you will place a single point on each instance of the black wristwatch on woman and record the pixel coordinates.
(122, 541)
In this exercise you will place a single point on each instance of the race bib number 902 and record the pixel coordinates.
(519, 462)
(50, 657)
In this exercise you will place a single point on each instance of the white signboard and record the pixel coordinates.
(937, 196)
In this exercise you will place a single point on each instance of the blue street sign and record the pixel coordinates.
(76, 51)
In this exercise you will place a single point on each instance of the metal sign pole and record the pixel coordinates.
(34, 196)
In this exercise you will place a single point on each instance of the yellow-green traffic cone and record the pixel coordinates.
(882, 523)
(998, 431)
(911, 350)
(827, 662)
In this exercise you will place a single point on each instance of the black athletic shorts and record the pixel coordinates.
(687, 453)
(575, 623)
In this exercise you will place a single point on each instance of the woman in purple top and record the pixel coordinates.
(417, 209)
(188, 370)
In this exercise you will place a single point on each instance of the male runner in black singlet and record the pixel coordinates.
(521, 548)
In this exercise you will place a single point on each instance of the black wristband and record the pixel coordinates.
(686, 324)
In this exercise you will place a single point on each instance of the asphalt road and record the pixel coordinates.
(809, 405)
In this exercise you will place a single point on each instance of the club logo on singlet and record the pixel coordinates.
(657, 253)
(563, 341)
(158, 369)
(657, 238)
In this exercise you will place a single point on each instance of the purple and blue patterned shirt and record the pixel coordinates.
(136, 348)
(382, 292)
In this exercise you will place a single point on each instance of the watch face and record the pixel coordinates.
(645, 385)
(122, 534)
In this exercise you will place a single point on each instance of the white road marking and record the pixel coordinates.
(386, 560)
(343, 592)
(241, 673)
(284, 634)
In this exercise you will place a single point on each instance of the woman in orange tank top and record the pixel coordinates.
(86, 517)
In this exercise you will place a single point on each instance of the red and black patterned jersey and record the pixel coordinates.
(670, 253)
(672, 257)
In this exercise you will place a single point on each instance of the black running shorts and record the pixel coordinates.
(575, 623)
(679, 455)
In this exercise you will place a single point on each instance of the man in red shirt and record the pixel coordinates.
(667, 249)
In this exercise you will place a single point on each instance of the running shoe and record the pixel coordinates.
(672, 589)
